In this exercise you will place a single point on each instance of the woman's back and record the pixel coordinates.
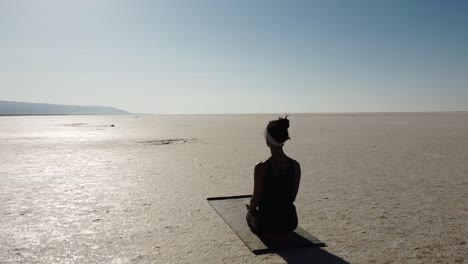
(278, 185)
(276, 209)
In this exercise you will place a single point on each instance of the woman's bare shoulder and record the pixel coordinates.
(261, 165)
(295, 163)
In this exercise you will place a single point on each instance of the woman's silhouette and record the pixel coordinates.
(276, 183)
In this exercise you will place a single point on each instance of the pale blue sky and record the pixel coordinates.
(237, 56)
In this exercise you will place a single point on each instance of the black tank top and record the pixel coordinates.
(276, 211)
(278, 187)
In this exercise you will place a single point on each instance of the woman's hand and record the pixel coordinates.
(254, 210)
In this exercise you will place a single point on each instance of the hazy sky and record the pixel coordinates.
(237, 56)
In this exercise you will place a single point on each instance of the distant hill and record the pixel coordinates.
(22, 108)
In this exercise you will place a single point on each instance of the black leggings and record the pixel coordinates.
(258, 223)
(253, 221)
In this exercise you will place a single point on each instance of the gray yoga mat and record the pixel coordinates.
(232, 209)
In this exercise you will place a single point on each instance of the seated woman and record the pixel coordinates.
(276, 183)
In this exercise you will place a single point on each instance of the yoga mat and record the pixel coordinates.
(232, 209)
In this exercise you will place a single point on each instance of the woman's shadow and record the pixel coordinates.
(303, 255)
(311, 255)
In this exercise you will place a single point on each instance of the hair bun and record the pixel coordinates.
(283, 122)
(278, 129)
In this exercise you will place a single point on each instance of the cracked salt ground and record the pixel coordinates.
(169, 141)
(387, 204)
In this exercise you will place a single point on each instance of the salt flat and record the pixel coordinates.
(376, 188)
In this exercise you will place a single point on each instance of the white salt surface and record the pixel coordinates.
(376, 188)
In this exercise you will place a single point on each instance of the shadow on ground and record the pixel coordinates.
(311, 255)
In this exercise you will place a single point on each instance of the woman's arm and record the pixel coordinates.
(259, 173)
(297, 178)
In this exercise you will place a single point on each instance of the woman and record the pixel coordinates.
(276, 183)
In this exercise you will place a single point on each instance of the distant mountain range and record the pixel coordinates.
(22, 108)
